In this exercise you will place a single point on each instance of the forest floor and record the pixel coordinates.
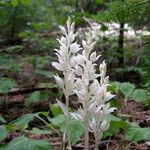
(31, 70)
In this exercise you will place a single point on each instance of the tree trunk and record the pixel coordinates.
(13, 27)
(120, 52)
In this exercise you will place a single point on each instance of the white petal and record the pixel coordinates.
(104, 126)
(74, 47)
(57, 66)
(59, 81)
(93, 57)
(109, 96)
(77, 116)
(63, 107)
(63, 30)
(63, 39)
(61, 43)
(72, 26)
(68, 23)
(80, 59)
(84, 43)
(78, 70)
(92, 46)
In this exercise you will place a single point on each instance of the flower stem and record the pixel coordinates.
(67, 123)
(96, 144)
(97, 140)
(86, 134)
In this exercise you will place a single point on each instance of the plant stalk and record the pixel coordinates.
(97, 140)
(86, 124)
(86, 134)
(67, 122)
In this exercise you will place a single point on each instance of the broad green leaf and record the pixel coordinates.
(112, 118)
(114, 128)
(116, 124)
(116, 103)
(14, 3)
(23, 143)
(114, 87)
(76, 127)
(14, 48)
(9, 64)
(23, 121)
(3, 132)
(39, 131)
(2, 119)
(6, 84)
(36, 96)
(47, 74)
(141, 95)
(60, 119)
(136, 134)
(77, 130)
(55, 109)
(126, 89)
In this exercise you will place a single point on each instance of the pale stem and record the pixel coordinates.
(67, 122)
(97, 140)
(86, 133)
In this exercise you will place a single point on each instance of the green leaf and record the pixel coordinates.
(23, 121)
(14, 3)
(3, 146)
(77, 130)
(60, 119)
(6, 84)
(56, 110)
(15, 48)
(45, 113)
(39, 131)
(3, 132)
(116, 124)
(47, 74)
(36, 96)
(76, 127)
(99, 1)
(116, 103)
(23, 143)
(136, 134)
(141, 95)
(127, 89)
(25, 2)
(112, 118)
(114, 87)
(2, 119)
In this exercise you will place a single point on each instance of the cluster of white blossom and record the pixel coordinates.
(92, 93)
(80, 77)
(66, 58)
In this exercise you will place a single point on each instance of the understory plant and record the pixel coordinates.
(66, 53)
(80, 78)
